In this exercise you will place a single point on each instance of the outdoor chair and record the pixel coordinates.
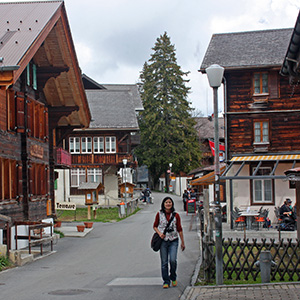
(260, 220)
(277, 214)
(239, 221)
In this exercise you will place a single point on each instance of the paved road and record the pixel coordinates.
(114, 261)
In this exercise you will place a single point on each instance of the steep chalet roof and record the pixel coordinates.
(253, 49)
(291, 61)
(132, 89)
(39, 31)
(20, 25)
(205, 127)
(112, 110)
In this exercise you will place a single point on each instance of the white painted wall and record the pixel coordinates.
(24, 230)
(180, 185)
(62, 194)
(110, 196)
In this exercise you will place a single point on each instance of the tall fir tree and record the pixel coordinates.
(167, 128)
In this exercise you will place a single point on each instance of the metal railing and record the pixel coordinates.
(128, 208)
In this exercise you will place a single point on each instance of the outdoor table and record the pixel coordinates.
(249, 217)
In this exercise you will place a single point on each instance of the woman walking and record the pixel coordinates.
(169, 246)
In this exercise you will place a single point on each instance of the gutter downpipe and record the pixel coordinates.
(227, 155)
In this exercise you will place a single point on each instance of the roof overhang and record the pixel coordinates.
(206, 179)
(291, 63)
(259, 159)
(48, 43)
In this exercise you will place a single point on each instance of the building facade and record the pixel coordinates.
(42, 98)
(98, 151)
(262, 125)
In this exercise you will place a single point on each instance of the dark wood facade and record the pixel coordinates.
(41, 99)
(262, 123)
(280, 110)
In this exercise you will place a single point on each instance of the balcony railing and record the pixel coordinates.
(63, 158)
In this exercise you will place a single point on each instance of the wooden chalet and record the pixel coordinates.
(205, 129)
(98, 151)
(262, 124)
(42, 99)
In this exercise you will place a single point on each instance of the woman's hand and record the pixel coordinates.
(162, 236)
(182, 246)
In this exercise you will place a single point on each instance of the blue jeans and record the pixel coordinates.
(168, 252)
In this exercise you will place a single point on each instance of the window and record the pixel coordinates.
(86, 145)
(77, 177)
(262, 188)
(74, 145)
(11, 110)
(95, 145)
(94, 175)
(31, 75)
(8, 179)
(261, 83)
(110, 144)
(98, 145)
(261, 132)
(34, 78)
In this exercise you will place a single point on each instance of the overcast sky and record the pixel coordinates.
(113, 38)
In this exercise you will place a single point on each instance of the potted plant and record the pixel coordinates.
(57, 223)
(88, 224)
(80, 228)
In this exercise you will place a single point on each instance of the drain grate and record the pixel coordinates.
(69, 292)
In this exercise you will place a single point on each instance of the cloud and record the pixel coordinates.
(114, 38)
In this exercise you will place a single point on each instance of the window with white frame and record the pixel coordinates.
(93, 145)
(262, 188)
(86, 145)
(98, 144)
(74, 144)
(77, 177)
(94, 175)
(110, 144)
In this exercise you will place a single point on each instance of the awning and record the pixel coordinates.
(266, 157)
(206, 179)
(259, 159)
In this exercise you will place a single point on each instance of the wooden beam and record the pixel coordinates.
(55, 113)
(6, 78)
(45, 73)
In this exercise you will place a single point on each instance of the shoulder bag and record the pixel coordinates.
(156, 239)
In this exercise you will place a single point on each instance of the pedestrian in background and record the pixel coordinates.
(147, 195)
(185, 197)
(169, 246)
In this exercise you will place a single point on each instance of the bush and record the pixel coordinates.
(4, 262)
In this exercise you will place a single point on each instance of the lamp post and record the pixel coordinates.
(215, 76)
(125, 163)
(170, 165)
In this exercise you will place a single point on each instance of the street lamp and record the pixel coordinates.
(170, 165)
(215, 76)
(125, 163)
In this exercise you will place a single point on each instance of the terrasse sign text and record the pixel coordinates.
(66, 206)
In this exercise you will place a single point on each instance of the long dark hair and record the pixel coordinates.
(163, 205)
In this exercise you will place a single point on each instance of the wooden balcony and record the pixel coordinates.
(62, 158)
(102, 159)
